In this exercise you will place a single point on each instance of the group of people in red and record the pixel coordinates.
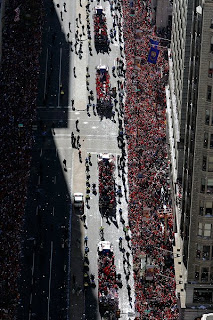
(107, 286)
(21, 46)
(106, 183)
(103, 87)
(149, 209)
(100, 27)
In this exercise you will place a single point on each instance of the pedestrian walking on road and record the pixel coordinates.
(70, 27)
(72, 101)
(85, 240)
(65, 163)
(79, 154)
(76, 125)
(120, 242)
(74, 72)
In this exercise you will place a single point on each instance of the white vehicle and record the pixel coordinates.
(106, 157)
(78, 200)
(105, 247)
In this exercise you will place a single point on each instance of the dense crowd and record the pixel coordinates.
(100, 30)
(18, 86)
(107, 283)
(103, 89)
(106, 169)
(150, 216)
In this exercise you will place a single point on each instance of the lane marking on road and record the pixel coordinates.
(50, 278)
(53, 211)
(59, 77)
(55, 180)
(37, 210)
(39, 180)
(41, 153)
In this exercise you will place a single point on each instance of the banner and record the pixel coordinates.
(150, 272)
(153, 55)
(154, 42)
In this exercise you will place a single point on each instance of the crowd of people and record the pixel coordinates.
(106, 169)
(104, 100)
(150, 217)
(100, 31)
(107, 283)
(21, 46)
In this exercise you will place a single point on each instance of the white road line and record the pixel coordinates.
(59, 77)
(41, 152)
(53, 211)
(39, 180)
(33, 267)
(45, 78)
(37, 210)
(55, 180)
(48, 304)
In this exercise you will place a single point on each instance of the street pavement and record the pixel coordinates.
(53, 244)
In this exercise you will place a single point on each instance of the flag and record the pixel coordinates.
(153, 55)
(154, 42)
(17, 14)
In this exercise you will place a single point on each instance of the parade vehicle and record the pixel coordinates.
(100, 30)
(78, 202)
(106, 165)
(103, 90)
(107, 282)
(105, 247)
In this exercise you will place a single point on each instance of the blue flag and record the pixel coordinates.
(154, 42)
(153, 55)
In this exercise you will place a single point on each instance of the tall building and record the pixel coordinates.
(190, 138)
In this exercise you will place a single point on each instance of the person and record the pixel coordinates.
(65, 162)
(85, 240)
(120, 242)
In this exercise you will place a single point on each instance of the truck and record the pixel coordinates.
(100, 30)
(107, 282)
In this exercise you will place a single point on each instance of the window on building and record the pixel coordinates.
(206, 252)
(198, 251)
(210, 185)
(211, 274)
(211, 46)
(211, 141)
(207, 230)
(209, 211)
(197, 272)
(204, 274)
(202, 295)
(209, 93)
(204, 163)
(205, 140)
(207, 118)
(210, 72)
(200, 229)
(201, 208)
(210, 163)
(202, 187)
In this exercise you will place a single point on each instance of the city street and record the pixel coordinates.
(53, 246)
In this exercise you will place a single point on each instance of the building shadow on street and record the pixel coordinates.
(47, 261)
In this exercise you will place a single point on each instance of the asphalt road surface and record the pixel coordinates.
(53, 244)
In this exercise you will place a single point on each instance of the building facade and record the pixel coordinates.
(190, 137)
